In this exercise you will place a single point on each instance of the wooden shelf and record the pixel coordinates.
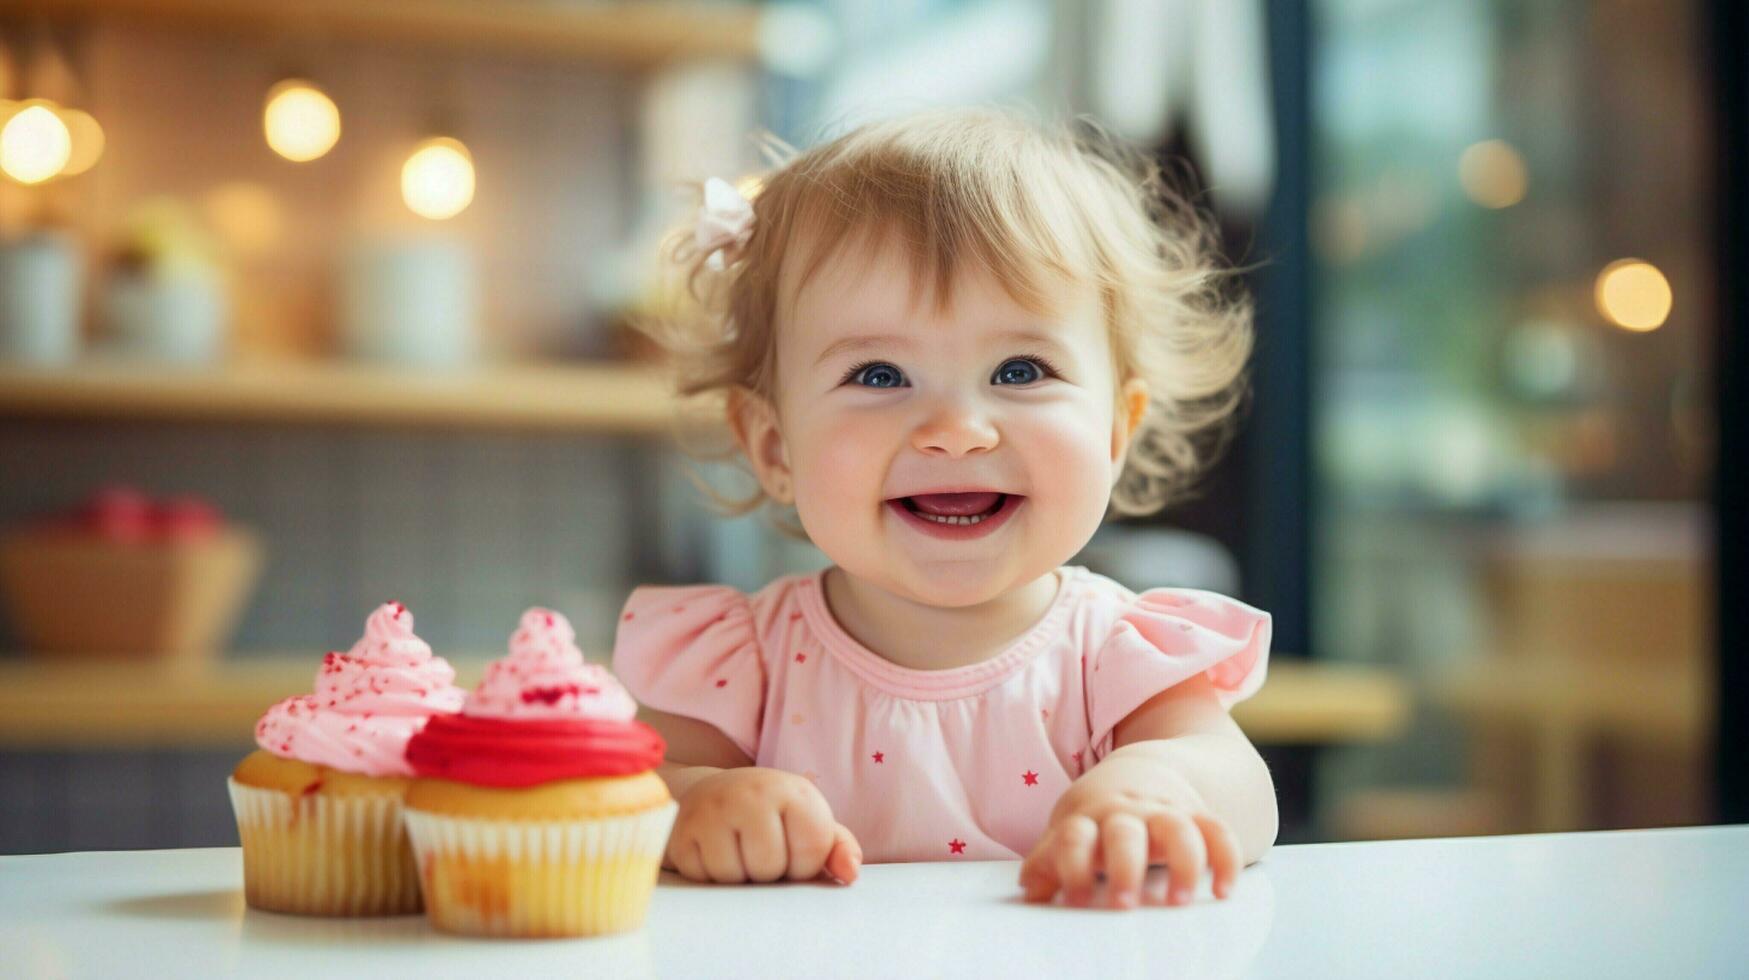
(124, 705)
(576, 398)
(118, 704)
(622, 33)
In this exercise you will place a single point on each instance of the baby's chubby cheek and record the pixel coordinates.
(1069, 472)
(840, 471)
(837, 449)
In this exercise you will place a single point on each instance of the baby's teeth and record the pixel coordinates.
(974, 519)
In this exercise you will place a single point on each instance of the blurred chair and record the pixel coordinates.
(1591, 709)
(1588, 709)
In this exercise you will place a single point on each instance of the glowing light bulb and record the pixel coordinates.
(1634, 295)
(1493, 174)
(437, 181)
(300, 121)
(34, 144)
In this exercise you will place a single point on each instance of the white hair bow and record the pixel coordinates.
(725, 220)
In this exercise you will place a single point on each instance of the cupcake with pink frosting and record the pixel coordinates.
(319, 803)
(537, 810)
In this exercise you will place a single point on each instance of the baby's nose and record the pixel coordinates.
(955, 428)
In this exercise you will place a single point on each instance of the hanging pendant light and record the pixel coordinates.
(437, 181)
(44, 138)
(300, 121)
(34, 142)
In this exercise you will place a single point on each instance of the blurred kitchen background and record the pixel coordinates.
(306, 306)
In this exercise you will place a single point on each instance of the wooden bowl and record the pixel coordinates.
(72, 593)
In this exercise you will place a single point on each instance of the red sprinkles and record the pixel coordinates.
(548, 695)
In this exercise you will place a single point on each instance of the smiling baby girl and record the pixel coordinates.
(955, 343)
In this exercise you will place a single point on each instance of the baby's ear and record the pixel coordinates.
(753, 423)
(1132, 406)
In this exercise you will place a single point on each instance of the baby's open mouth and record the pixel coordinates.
(973, 507)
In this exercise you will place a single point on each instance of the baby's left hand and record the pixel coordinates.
(1129, 812)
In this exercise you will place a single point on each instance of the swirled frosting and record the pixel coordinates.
(367, 703)
(545, 676)
(539, 714)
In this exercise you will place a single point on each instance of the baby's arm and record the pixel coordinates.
(739, 822)
(1183, 787)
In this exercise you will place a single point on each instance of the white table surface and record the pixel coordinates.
(1666, 903)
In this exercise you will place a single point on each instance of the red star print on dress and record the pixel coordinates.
(956, 846)
(880, 757)
(1030, 778)
(801, 658)
(722, 683)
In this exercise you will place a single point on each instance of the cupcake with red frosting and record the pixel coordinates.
(538, 811)
(319, 803)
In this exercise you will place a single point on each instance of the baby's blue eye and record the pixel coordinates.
(878, 376)
(1019, 371)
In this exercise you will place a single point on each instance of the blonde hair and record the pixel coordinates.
(1022, 202)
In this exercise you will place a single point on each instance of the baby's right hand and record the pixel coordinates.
(754, 824)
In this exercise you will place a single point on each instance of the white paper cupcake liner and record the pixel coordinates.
(585, 877)
(324, 855)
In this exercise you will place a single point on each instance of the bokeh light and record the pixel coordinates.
(1493, 174)
(300, 121)
(34, 143)
(1634, 295)
(437, 181)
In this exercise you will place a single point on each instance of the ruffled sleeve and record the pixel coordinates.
(692, 651)
(1165, 637)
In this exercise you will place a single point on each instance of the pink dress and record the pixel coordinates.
(927, 765)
